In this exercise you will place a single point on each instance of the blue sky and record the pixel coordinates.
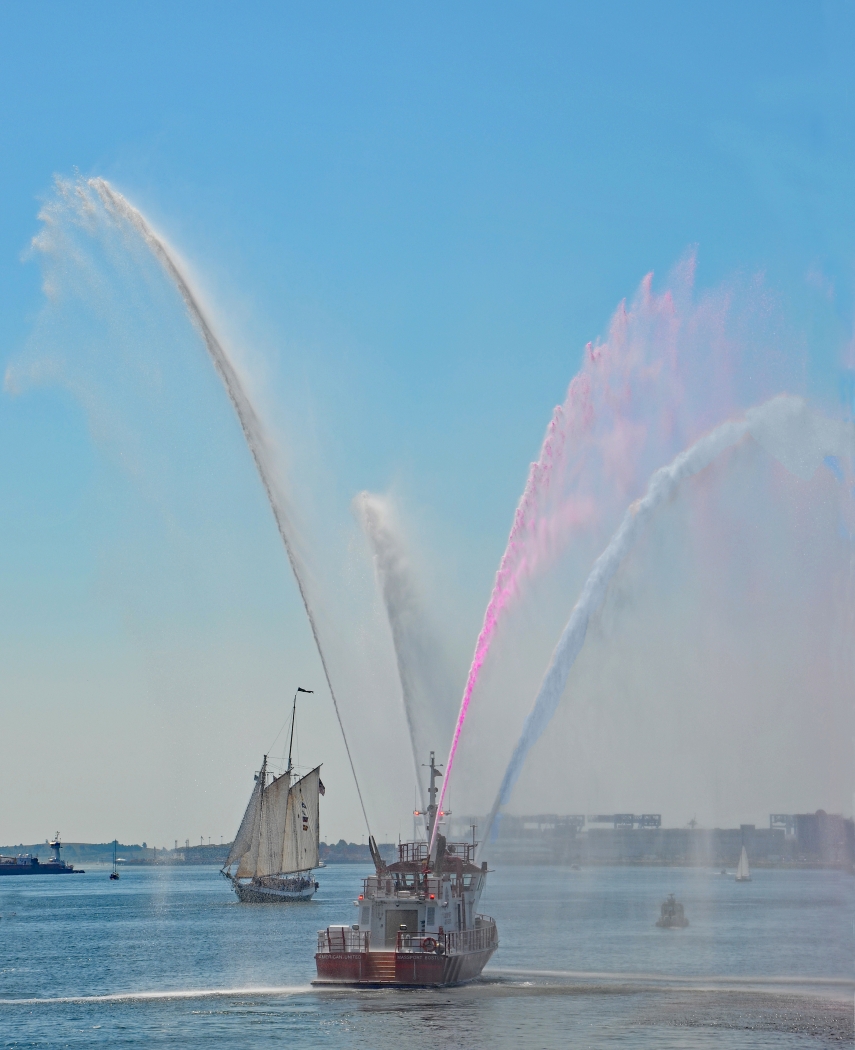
(416, 218)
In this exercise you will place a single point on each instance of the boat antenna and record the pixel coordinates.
(300, 689)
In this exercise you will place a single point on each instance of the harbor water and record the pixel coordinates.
(167, 957)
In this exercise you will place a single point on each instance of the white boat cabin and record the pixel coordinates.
(411, 900)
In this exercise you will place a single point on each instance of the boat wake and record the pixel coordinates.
(499, 981)
(162, 996)
(634, 981)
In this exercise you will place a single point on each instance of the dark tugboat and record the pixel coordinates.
(672, 916)
(417, 922)
(27, 864)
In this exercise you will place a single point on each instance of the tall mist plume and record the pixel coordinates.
(426, 686)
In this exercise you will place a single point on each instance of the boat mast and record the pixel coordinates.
(291, 741)
(300, 689)
(432, 792)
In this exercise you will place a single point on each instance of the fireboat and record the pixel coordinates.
(417, 923)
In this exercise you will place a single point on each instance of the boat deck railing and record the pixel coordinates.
(418, 852)
(456, 942)
(482, 938)
(343, 939)
(415, 887)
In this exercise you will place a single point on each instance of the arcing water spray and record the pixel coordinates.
(659, 380)
(796, 436)
(255, 433)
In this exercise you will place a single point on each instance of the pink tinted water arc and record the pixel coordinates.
(515, 561)
(661, 378)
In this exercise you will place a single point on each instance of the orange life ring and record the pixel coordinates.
(428, 944)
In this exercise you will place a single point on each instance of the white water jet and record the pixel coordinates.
(255, 432)
(785, 426)
(426, 688)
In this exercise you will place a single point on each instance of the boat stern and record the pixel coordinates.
(344, 956)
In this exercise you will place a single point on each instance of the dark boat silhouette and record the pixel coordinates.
(672, 916)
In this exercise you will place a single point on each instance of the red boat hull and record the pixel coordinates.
(406, 969)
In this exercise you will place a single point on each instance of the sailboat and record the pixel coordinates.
(276, 846)
(742, 872)
(114, 874)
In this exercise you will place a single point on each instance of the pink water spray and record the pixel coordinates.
(519, 552)
(660, 379)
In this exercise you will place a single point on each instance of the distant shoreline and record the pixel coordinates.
(341, 852)
(82, 853)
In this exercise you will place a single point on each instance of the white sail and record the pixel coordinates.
(300, 842)
(742, 872)
(247, 831)
(271, 827)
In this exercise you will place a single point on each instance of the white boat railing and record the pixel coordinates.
(457, 942)
(343, 939)
(481, 939)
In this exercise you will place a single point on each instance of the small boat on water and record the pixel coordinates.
(743, 873)
(416, 919)
(114, 874)
(672, 916)
(276, 846)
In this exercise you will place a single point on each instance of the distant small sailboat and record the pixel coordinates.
(742, 872)
(114, 874)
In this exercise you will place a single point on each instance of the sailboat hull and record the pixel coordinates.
(275, 891)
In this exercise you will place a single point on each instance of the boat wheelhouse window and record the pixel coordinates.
(431, 916)
(366, 917)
